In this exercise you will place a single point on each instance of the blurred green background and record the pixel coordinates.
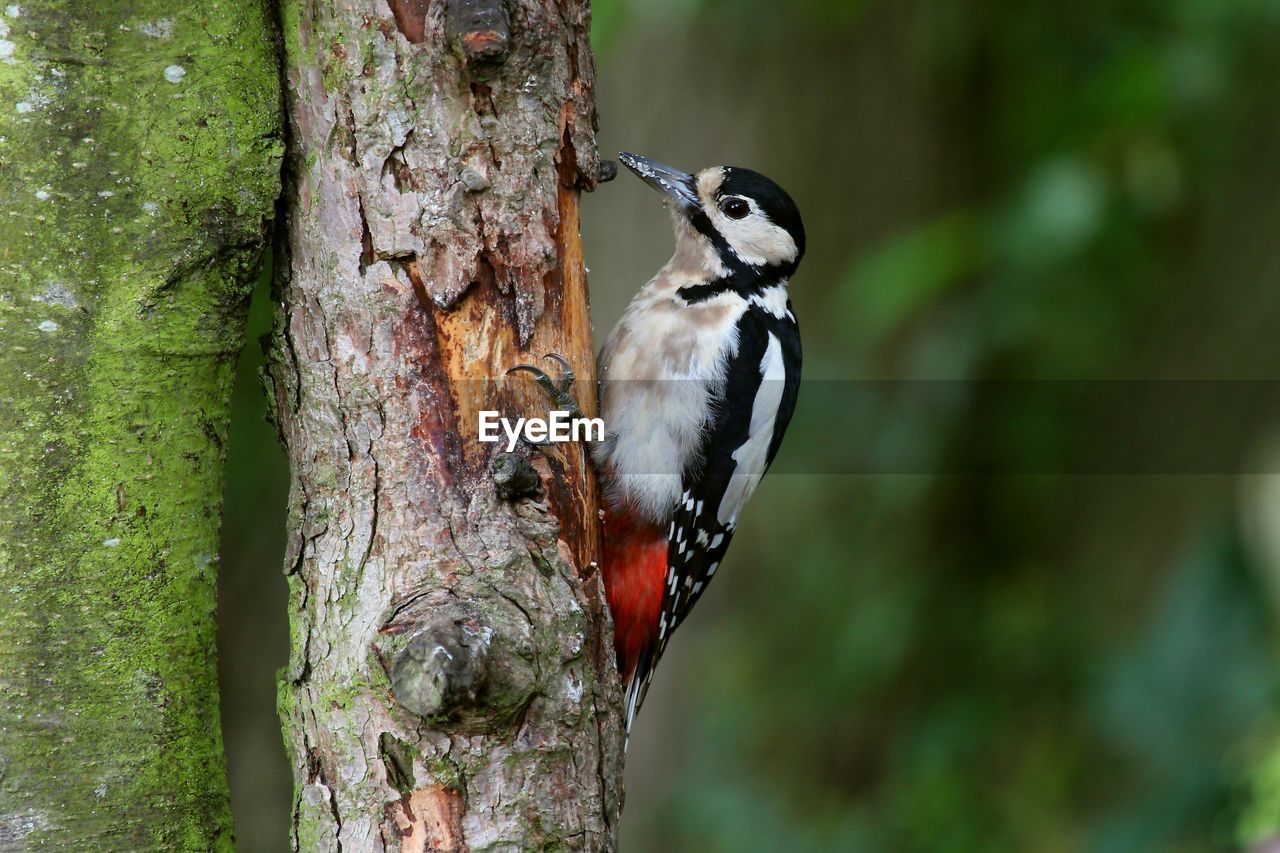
(959, 655)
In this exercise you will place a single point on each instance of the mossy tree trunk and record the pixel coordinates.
(139, 149)
(451, 684)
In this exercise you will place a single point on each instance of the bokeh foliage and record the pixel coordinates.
(943, 658)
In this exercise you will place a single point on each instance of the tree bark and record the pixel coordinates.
(139, 144)
(451, 684)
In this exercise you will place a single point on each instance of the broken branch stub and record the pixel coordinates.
(442, 669)
(481, 29)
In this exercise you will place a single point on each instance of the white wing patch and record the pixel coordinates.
(752, 457)
(773, 300)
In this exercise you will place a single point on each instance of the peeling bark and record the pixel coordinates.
(451, 684)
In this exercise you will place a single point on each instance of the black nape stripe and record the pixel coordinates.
(746, 283)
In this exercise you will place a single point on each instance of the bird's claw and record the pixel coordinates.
(567, 375)
(560, 392)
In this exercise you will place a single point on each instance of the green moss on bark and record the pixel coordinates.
(140, 144)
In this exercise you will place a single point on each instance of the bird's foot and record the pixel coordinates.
(559, 392)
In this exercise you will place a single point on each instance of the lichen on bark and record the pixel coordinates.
(140, 146)
(432, 238)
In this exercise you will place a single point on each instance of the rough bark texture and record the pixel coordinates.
(451, 684)
(140, 150)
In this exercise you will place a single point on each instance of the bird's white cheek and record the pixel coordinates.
(757, 241)
(766, 243)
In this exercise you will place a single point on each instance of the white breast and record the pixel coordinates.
(660, 368)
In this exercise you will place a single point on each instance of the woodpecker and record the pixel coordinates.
(698, 382)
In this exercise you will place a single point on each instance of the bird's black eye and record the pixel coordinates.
(735, 208)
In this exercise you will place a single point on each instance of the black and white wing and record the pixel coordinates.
(742, 438)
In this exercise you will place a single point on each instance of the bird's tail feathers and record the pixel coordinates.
(638, 686)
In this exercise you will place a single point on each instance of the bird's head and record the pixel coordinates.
(746, 221)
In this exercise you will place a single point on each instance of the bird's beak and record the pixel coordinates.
(676, 185)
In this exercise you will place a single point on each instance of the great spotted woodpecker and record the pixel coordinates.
(698, 381)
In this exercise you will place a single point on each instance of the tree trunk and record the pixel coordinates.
(451, 684)
(140, 152)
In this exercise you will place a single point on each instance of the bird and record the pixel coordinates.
(697, 384)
